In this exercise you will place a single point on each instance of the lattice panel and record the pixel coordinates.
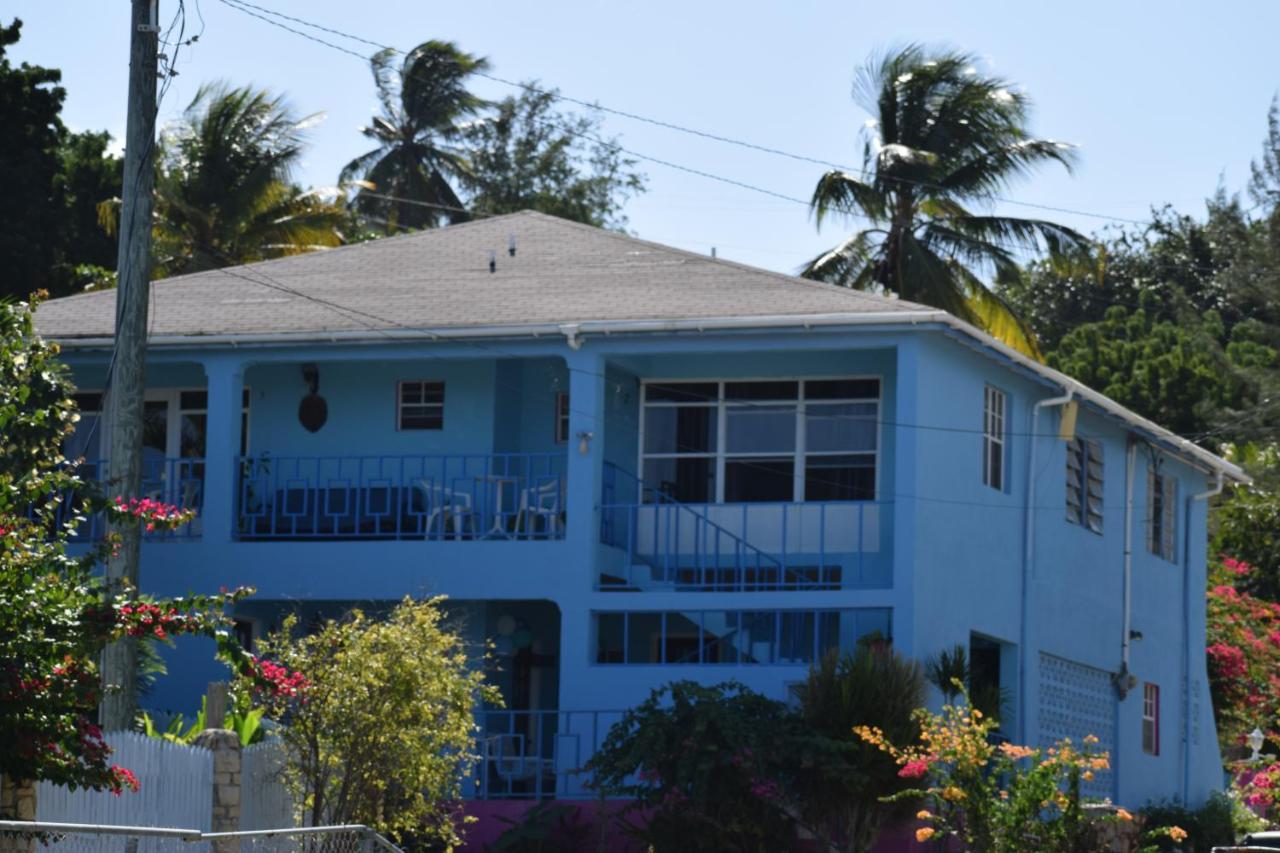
(1078, 700)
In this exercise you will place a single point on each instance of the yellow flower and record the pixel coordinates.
(924, 833)
(1090, 739)
(1004, 795)
(1087, 775)
(923, 814)
(951, 793)
(1015, 752)
(1123, 814)
(1177, 833)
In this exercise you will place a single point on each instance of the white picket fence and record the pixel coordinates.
(175, 791)
(264, 801)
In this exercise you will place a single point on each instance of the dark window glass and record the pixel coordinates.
(421, 405)
(644, 638)
(193, 432)
(873, 624)
(683, 392)
(796, 643)
(761, 390)
(759, 636)
(840, 427)
(680, 429)
(244, 398)
(609, 633)
(840, 478)
(690, 480)
(88, 402)
(193, 400)
(759, 479)
(720, 636)
(842, 389)
(683, 638)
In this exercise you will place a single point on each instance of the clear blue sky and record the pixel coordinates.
(1166, 100)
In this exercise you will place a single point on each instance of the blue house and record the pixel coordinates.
(628, 464)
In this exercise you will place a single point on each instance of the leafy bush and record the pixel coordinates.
(707, 765)
(841, 779)
(1212, 825)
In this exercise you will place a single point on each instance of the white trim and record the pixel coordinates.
(400, 404)
(172, 397)
(910, 318)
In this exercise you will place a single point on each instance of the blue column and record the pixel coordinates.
(225, 379)
(902, 488)
(585, 470)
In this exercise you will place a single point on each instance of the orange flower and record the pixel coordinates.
(924, 833)
(1122, 814)
(951, 793)
(1177, 833)
(1015, 752)
(923, 814)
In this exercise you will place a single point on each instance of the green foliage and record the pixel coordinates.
(840, 779)
(1245, 522)
(56, 612)
(948, 671)
(224, 193)
(381, 730)
(942, 137)
(705, 764)
(425, 104)
(247, 725)
(1173, 373)
(526, 156)
(1213, 824)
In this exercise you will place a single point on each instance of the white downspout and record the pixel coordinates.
(1219, 482)
(1131, 455)
(1028, 557)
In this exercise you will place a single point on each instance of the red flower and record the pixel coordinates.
(914, 769)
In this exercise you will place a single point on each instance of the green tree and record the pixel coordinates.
(418, 160)
(942, 139)
(89, 176)
(527, 156)
(843, 779)
(224, 193)
(381, 729)
(56, 612)
(1175, 374)
(706, 764)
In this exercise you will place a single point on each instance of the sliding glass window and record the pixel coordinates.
(761, 440)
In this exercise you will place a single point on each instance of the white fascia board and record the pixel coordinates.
(574, 332)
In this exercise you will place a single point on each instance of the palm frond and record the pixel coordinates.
(998, 319)
(992, 170)
(841, 192)
(851, 264)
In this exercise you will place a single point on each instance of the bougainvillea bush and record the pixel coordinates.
(1243, 653)
(998, 798)
(56, 613)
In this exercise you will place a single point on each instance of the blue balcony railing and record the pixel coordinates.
(537, 755)
(178, 481)
(740, 546)
(437, 497)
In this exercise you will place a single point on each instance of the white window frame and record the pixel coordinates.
(1162, 526)
(400, 427)
(1151, 717)
(800, 453)
(172, 397)
(1091, 445)
(995, 410)
(562, 417)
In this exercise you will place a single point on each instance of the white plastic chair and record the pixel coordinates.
(451, 508)
(541, 501)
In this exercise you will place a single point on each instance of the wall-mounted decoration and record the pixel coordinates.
(313, 411)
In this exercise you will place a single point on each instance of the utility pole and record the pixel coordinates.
(126, 380)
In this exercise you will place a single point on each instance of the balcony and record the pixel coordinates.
(536, 755)
(177, 481)
(511, 496)
(666, 544)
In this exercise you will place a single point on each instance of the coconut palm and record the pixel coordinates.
(943, 140)
(223, 189)
(425, 105)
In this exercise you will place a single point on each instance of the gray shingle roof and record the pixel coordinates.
(562, 272)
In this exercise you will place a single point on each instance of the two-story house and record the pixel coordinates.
(628, 464)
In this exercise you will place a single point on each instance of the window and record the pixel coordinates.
(1084, 483)
(763, 440)
(174, 425)
(86, 441)
(993, 438)
(562, 418)
(421, 405)
(1162, 514)
(780, 637)
(1151, 719)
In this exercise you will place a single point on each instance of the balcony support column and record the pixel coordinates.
(225, 379)
(585, 471)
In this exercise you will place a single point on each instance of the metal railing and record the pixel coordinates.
(740, 546)
(104, 838)
(534, 755)
(435, 497)
(178, 481)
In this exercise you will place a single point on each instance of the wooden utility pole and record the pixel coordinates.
(126, 380)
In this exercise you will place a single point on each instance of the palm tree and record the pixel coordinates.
(424, 107)
(223, 189)
(944, 137)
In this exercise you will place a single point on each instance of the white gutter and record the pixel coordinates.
(1215, 490)
(1028, 558)
(1207, 460)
